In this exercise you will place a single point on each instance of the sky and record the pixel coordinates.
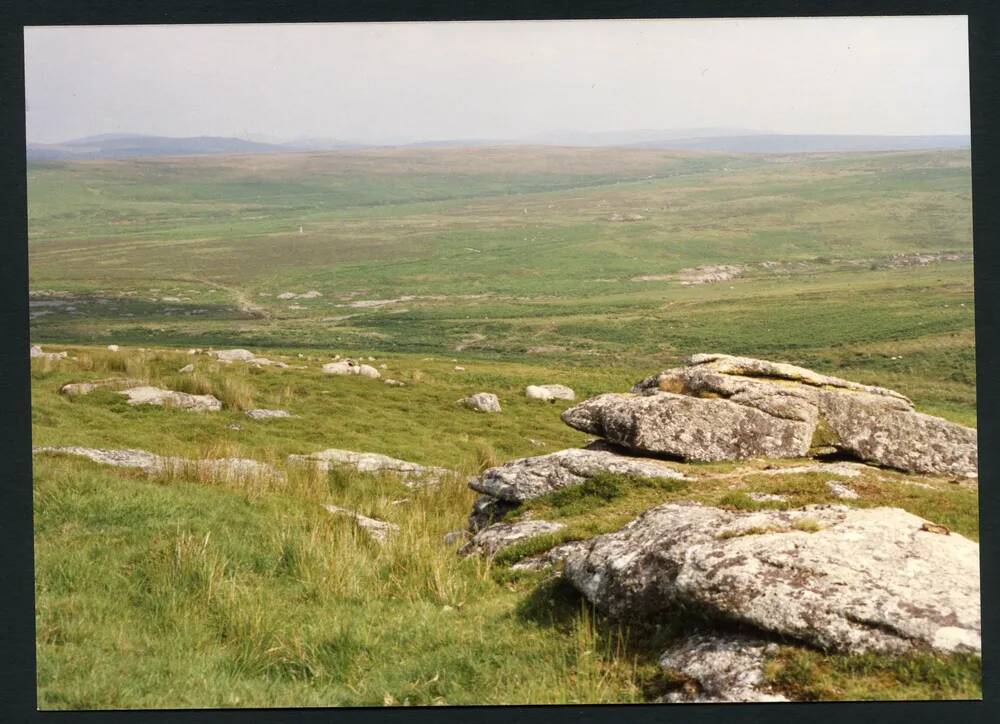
(406, 82)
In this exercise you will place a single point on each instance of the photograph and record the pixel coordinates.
(503, 362)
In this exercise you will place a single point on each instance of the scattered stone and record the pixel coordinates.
(370, 303)
(549, 392)
(482, 402)
(186, 369)
(140, 459)
(74, 389)
(217, 469)
(840, 579)
(233, 355)
(313, 294)
(709, 274)
(498, 536)
(459, 368)
(379, 530)
(841, 491)
(719, 668)
(234, 426)
(847, 470)
(767, 498)
(113, 348)
(525, 478)
(37, 353)
(412, 474)
(350, 367)
(262, 414)
(394, 383)
(170, 398)
(724, 408)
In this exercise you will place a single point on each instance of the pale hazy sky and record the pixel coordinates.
(398, 82)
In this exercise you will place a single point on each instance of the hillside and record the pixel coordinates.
(210, 532)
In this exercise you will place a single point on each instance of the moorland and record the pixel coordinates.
(459, 270)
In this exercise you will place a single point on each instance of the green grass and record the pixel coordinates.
(177, 590)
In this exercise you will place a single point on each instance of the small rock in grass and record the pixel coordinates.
(350, 367)
(262, 414)
(841, 490)
(767, 498)
(482, 402)
(180, 400)
(549, 393)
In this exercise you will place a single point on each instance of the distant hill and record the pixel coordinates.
(127, 145)
(707, 139)
(806, 143)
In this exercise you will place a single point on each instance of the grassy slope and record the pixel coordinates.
(249, 594)
(255, 596)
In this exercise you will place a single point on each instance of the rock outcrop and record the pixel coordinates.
(728, 408)
(519, 480)
(482, 402)
(170, 398)
(549, 393)
(841, 579)
(412, 474)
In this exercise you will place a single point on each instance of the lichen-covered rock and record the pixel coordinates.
(549, 393)
(351, 367)
(526, 478)
(490, 541)
(838, 578)
(900, 439)
(719, 668)
(691, 428)
(739, 407)
(482, 402)
(412, 474)
(170, 398)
